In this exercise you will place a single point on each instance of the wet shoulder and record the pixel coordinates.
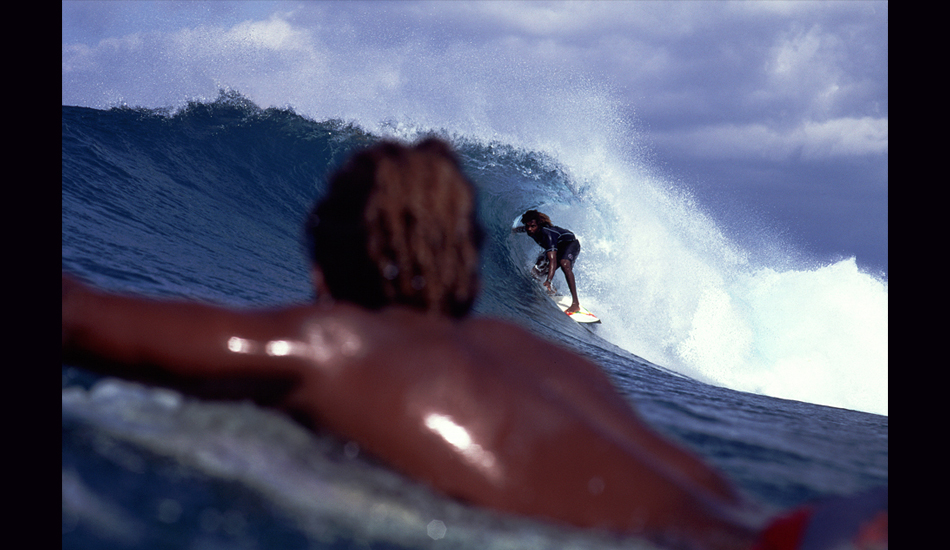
(503, 338)
(376, 328)
(346, 334)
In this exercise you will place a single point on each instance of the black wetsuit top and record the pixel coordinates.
(553, 237)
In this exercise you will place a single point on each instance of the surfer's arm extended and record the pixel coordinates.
(198, 348)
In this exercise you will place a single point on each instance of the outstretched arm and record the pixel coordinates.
(201, 349)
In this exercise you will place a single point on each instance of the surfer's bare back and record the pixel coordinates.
(387, 357)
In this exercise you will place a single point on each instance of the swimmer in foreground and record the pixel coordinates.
(388, 357)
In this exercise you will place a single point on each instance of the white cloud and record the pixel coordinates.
(796, 56)
(811, 140)
(272, 61)
(736, 79)
(534, 19)
(844, 137)
(274, 34)
(77, 57)
(805, 70)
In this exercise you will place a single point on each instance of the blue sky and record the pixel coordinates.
(774, 114)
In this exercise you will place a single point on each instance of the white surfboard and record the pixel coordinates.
(582, 316)
(539, 271)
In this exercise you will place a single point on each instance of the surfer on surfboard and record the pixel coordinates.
(560, 246)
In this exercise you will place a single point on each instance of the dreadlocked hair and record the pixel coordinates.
(542, 219)
(399, 226)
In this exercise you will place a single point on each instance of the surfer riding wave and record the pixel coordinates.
(561, 248)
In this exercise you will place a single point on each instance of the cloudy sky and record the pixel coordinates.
(773, 113)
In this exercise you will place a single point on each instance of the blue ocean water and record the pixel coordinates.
(725, 349)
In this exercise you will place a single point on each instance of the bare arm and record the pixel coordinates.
(201, 349)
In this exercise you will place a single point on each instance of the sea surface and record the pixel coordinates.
(774, 371)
